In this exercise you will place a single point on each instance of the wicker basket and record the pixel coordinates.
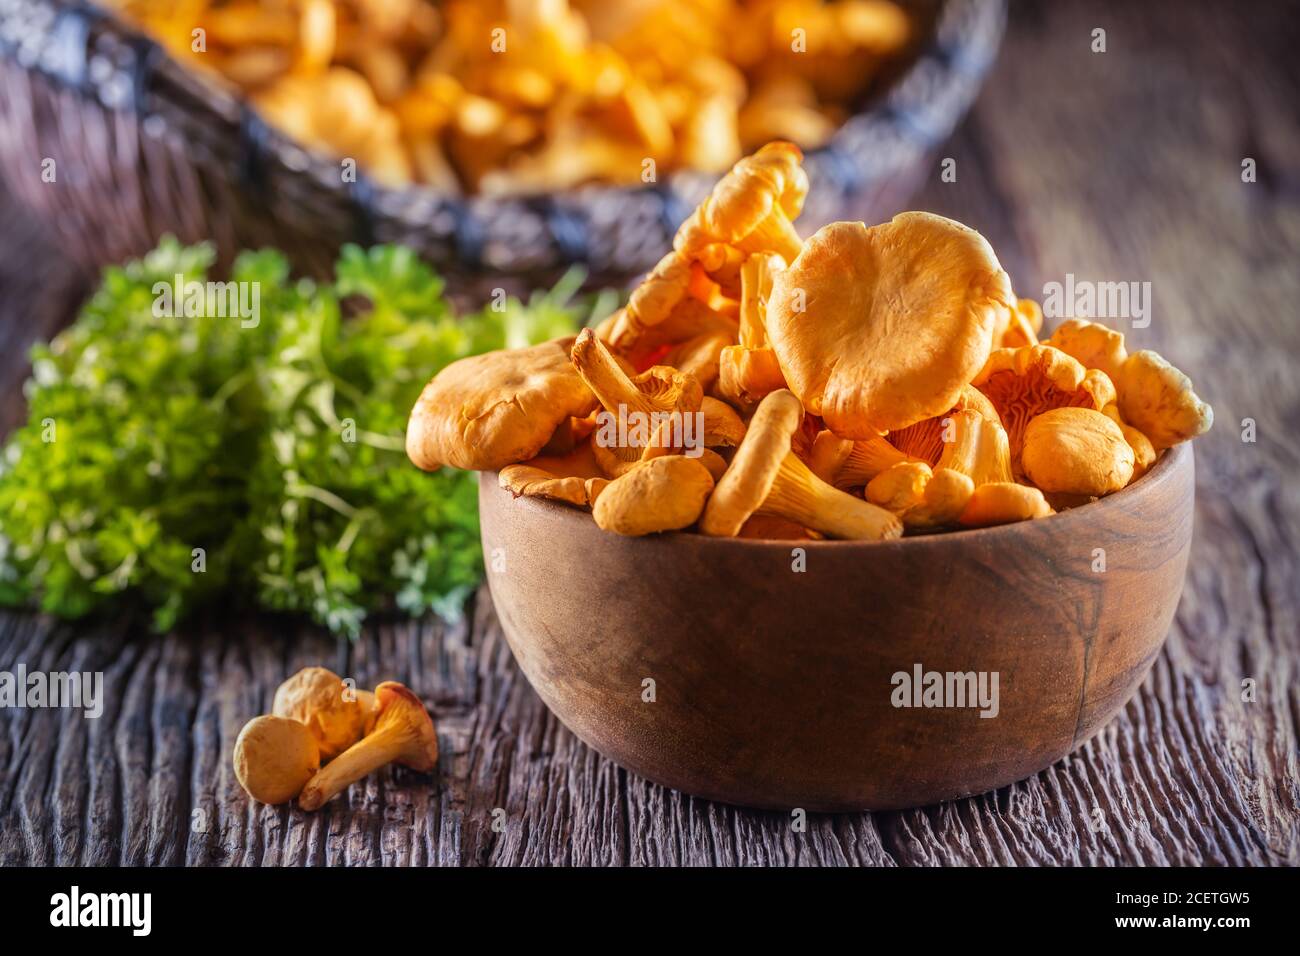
(145, 147)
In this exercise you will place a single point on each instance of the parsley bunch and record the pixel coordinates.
(178, 458)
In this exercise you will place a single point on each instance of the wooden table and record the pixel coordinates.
(1124, 165)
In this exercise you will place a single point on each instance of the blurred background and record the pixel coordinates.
(504, 139)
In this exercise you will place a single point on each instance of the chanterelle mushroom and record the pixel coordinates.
(877, 328)
(900, 486)
(1003, 502)
(723, 428)
(403, 733)
(318, 699)
(920, 497)
(661, 494)
(1153, 396)
(567, 478)
(946, 495)
(662, 311)
(1025, 382)
(752, 207)
(975, 452)
(1076, 451)
(274, 758)
(749, 370)
(927, 439)
(488, 411)
(978, 448)
(653, 411)
(767, 477)
(846, 463)
(1092, 344)
(1158, 400)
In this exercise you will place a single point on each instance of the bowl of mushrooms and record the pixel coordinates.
(824, 522)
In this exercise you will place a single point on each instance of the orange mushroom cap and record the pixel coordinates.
(878, 328)
(1076, 451)
(557, 477)
(1158, 400)
(1092, 344)
(491, 410)
(661, 494)
(1153, 396)
(920, 497)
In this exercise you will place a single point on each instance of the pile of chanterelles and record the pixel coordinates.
(862, 382)
(522, 97)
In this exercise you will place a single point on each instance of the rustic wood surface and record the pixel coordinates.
(1120, 165)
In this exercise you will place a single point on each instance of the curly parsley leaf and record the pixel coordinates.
(176, 457)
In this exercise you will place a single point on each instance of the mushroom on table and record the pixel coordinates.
(274, 758)
(334, 713)
(403, 733)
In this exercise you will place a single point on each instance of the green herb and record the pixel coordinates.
(178, 458)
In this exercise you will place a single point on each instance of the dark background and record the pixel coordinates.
(1117, 166)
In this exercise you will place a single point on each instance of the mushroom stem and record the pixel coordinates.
(846, 463)
(403, 733)
(804, 498)
(362, 758)
(606, 379)
(755, 287)
(866, 459)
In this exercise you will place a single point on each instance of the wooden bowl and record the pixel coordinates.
(774, 687)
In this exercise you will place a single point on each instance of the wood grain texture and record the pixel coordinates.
(1123, 165)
